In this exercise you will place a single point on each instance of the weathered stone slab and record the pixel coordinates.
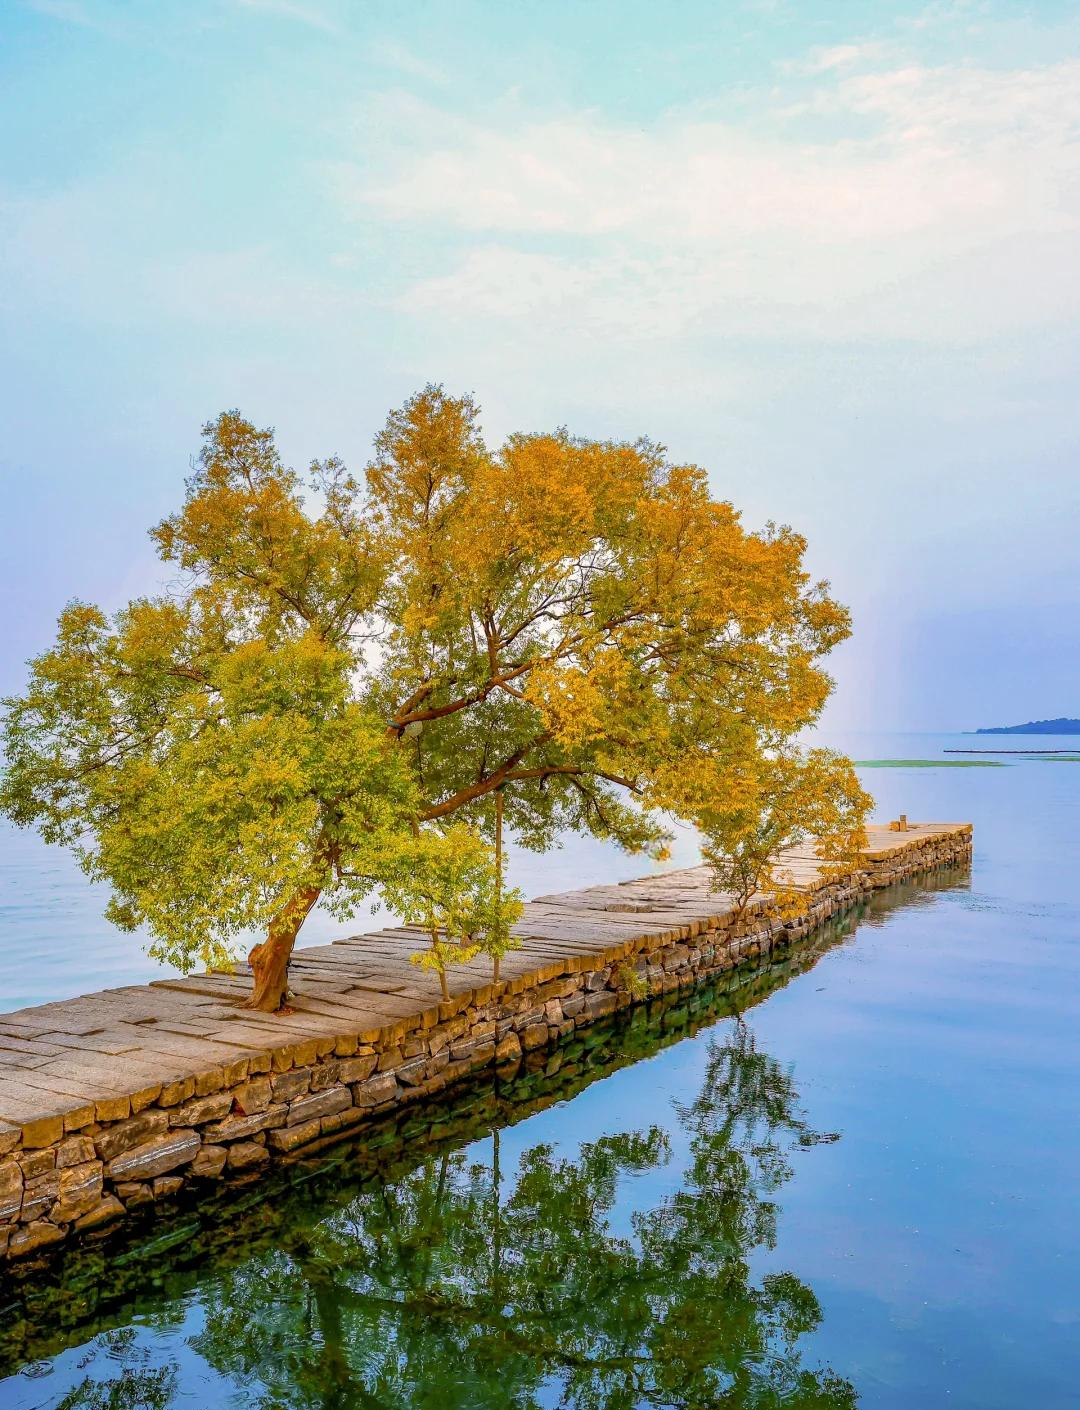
(209, 1163)
(246, 1155)
(81, 1188)
(376, 1089)
(238, 1128)
(11, 1189)
(202, 1109)
(292, 1137)
(157, 1156)
(317, 1104)
(30, 1238)
(127, 1134)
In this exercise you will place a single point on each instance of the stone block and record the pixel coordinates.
(39, 1196)
(11, 1189)
(112, 1108)
(246, 1155)
(74, 1120)
(10, 1137)
(287, 1086)
(208, 1082)
(46, 1131)
(75, 1150)
(341, 1119)
(412, 1073)
(134, 1193)
(535, 1036)
(239, 1069)
(166, 1186)
(238, 1128)
(357, 1069)
(80, 1190)
(392, 1057)
(253, 1096)
(325, 1074)
(376, 1089)
(104, 1212)
(36, 1163)
(39, 1234)
(599, 1005)
(199, 1110)
(465, 1049)
(177, 1091)
(528, 1018)
(292, 1137)
(157, 1156)
(318, 1104)
(125, 1135)
(508, 1047)
(144, 1097)
(209, 1163)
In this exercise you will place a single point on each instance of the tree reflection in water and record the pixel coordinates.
(464, 1285)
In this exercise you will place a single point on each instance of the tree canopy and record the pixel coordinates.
(346, 663)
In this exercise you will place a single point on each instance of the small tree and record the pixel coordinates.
(577, 628)
(781, 801)
(448, 884)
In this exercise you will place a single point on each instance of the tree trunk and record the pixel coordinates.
(498, 868)
(269, 959)
(441, 965)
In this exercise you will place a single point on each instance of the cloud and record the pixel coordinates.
(902, 201)
(836, 56)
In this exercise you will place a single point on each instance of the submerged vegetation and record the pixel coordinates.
(354, 681)
(928, 764)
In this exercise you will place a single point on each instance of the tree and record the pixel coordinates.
(784, 799)
(449, 884)
(574, 626)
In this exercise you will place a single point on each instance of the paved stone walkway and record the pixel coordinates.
(104, 1056)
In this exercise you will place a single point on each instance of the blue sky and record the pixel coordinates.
(827, 250)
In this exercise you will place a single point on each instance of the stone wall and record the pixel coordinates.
(70, 1175)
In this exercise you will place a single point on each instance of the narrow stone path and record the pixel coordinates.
(103, 1057)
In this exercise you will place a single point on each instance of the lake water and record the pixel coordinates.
(859, 1190)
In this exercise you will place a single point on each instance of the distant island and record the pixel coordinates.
(1036, 727)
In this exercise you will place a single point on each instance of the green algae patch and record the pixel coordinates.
(929, 764)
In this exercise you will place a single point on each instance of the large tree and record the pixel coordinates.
(573, 630)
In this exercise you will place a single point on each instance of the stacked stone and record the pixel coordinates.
(78, 1172)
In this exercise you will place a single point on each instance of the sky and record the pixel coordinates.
(826, 250)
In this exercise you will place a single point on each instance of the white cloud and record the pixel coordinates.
(837, 56)
(900, 202)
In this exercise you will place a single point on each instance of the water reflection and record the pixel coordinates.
(424, 1267)
(466, 1285)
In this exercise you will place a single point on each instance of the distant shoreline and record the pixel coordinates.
(1059, 726)
(1040, 753)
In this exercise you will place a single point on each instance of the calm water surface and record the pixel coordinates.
(860, 1190)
